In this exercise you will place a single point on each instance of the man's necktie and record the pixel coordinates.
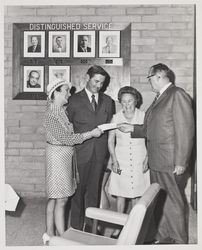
(93, 102)
(34, 48)
(156, 97)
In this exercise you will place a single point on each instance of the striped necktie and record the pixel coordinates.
(156, 97)
(94, 103)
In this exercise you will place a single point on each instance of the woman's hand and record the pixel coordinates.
(115, 167)
(96, 132)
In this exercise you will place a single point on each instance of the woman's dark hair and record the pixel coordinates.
(130, 90)
(58, 89)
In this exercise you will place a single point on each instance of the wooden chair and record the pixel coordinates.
(135, 225)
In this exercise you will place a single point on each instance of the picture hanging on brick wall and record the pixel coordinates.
(109, 43)
(62, 72)
(33, 79)
(34, 43)
(59, 44)
(84, 44)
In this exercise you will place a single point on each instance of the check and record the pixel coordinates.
(107, 126)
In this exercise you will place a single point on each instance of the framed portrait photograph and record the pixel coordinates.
(33, 79)
(59, 43)
(34, 43)
(62, 72)
(109, 43)
(84, 44)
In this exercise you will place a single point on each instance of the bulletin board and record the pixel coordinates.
(45, 51)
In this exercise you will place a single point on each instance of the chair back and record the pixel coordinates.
(135, 230)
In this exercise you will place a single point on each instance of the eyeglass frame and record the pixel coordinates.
(148, 77)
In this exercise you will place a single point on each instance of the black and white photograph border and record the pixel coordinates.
(27, 36)
(197, 66)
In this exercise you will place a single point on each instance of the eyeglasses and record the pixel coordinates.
(150, 76)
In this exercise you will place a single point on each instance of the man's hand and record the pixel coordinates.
(125, 127)
(179, 170)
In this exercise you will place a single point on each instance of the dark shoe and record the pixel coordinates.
(115, 235)
(167, 240)
(151, 242)
(100, 230)
(88, 228)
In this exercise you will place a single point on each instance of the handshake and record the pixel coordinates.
(123, 127)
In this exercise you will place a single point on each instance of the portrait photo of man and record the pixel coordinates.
(33, 78)
(59, 44)
(35, 46)
(84, 43)
(34, 43)
(109, 43)
(110, 47)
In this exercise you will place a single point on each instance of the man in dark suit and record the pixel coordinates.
(83, 45)
(35, 47)
(169, 130)
(86, 110)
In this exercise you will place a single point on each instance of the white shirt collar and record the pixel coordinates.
(89, 94)
(164, 88)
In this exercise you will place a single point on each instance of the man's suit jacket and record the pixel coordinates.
(169, 129)
(111, 49)
(81, 50)
(38, 48)
(84, 118)
(56, 49)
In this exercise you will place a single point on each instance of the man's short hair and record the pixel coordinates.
(95, 69)
(32, 71)
(168, 72)
(58, 37)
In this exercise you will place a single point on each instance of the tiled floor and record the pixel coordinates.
(26, 226)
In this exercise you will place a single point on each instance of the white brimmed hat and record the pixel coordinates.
(56, 83)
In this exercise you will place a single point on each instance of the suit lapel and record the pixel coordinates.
(153, 105)
(100, 101)
(162, 96)
(85, 100)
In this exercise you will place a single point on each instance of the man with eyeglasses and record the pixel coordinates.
(169, 130)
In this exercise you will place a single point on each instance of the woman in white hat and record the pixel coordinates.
(61, 178)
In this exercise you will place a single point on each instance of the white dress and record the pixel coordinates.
(130, 153)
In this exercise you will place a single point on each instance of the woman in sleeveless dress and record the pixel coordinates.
(129, 178)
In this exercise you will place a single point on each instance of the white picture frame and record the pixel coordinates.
(62, 72)
(78, 39)
(109, 43)
(39, 50)
(31, 72)
(64, 38)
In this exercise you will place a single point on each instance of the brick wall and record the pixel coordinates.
(160, 33)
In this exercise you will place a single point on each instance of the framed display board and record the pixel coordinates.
(44, 51)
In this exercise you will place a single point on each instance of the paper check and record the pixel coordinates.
(107, 126)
